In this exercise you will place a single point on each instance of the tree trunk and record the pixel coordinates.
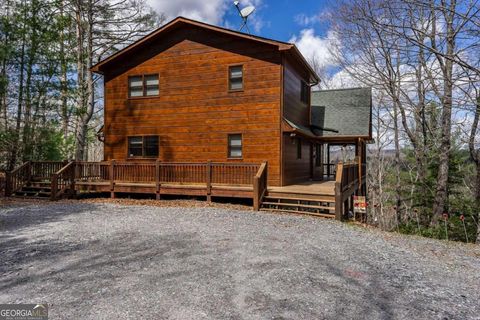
(475, 155)
(88, 98)
(63, 78)
(14, 150)
(477, 197)
(440, 203)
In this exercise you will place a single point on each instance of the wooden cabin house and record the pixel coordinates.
(198, 109)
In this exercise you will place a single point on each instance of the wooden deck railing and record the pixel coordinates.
(43, 170)
(63, 181)
(90, 171)
(63, 175)
(17, 178)
(185, 173)
(168, 172)
(234, 173)
(348, 179)
(260, 186)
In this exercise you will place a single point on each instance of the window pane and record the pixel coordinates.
(136, 81)
(135, 146)
(235, 141)
(152, 91)
(235, 153)
(236, 84)
(151, 146)
(136, 92)
(151, 80)
(236, 72)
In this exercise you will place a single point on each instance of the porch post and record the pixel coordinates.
(328, 160)
(112, 181)
(157, 179)
(209, 181)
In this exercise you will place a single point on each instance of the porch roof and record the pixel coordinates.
(346, 111)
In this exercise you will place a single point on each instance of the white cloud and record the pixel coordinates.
(304, 20)
(209, 11)
(315, 48)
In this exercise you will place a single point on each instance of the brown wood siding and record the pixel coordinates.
(294, 170)
(297, 170)
(293, 108)
(194, 112)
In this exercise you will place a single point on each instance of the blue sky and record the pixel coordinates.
(283, 19)
(298, 21)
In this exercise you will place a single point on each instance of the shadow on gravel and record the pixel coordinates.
(92, 265)
(36, 215)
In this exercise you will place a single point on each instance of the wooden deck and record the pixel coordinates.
(56, 180)
(318, 188)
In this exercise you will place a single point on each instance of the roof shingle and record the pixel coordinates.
(342, 112)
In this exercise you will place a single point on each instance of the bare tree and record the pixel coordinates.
(102, 27)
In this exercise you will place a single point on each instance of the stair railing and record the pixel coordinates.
(260, 185)
(17, 178)
(63, 180)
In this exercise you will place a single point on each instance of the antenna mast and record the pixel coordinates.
(244, 14)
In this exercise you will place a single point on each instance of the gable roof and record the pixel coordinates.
(346, 111)
(182, 21)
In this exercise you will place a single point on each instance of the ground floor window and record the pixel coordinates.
(235, 145)
(143, 146)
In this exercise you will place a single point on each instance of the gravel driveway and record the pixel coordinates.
(106, 261)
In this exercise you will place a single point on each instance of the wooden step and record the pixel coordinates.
(323, 215)
(300, 199)
(25, 192)
(301, 196)
(298, 205)
(33, 188)
(45, 183)
(30, 197)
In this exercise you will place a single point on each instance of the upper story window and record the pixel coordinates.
(143, 86)
(143, 146)
(234, 145)
(235, 78)
(304, 91)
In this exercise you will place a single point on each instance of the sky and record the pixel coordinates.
(298, 21)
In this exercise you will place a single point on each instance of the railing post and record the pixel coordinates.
(209, 180)
(256, 196)
(72, 175)
(29, 172)
(157, 179)
(112, 181)
(338, 201)
(339, 192)
(54, 187)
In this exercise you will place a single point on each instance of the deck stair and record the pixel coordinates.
(35, 189)
(316, 205)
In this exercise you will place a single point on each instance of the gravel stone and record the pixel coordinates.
(94, 260)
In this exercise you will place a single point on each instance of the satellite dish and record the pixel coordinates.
(244, 14)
